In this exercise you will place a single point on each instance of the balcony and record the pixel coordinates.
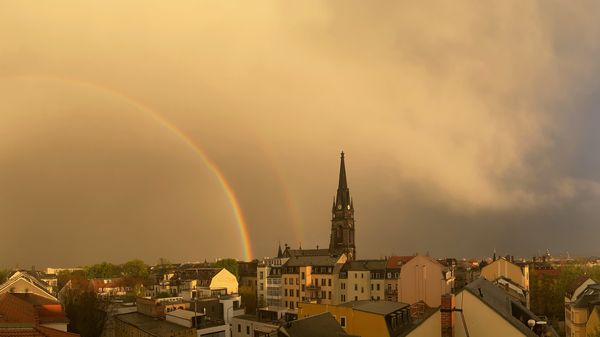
(313, 287)
(391, 292)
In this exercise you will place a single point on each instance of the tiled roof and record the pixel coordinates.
(30, 308)
(39, 331)
(397, 261)
(14, 310)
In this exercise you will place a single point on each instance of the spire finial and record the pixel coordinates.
(342, 153)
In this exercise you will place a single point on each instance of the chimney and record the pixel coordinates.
(447, 315)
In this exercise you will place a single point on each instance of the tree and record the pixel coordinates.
(135, 269)
(230, 264)
(103, 270)
(248, 299)
(85, 313)
(4, 275)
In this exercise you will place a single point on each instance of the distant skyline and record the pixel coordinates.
(136, 129)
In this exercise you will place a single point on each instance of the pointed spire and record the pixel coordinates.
(343, 184)
(279, 252)
(343, 194)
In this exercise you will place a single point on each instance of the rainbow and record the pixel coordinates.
(212, 166)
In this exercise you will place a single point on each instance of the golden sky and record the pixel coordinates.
(468, 117)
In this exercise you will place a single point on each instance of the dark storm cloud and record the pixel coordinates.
(470, 119)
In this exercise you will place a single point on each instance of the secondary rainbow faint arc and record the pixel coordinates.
(229, 191)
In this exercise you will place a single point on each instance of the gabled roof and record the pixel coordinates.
(23, 276)
(115, 282)
(321, 325)
(394, 262)
(499, 301)
(576, 284)
(589, 297)
(376, 307)
(30, 308)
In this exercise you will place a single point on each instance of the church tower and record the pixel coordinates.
(342, 219)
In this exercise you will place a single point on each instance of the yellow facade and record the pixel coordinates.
(502, 267)
(592, 327)
(576, 322)
(357, 322)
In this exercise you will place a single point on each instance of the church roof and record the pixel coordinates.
(319, 260)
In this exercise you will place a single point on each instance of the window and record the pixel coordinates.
(322, 282)
(286, 304)
(355, 275)
(371, 286)
(303, 275)
(378, 288)
(247, 330)
(291, 305)
(284, 281)
(329, 282)
(297, 293)
(389, 275)
(286, 292)
(356, 298)
(329, 295)
(239, 328)
(343, 298)
(356, 287)
(343, 321)
(362, 290)
(262, 287)
(323, 294)
(303, 287)
(316, 281)
(262, 274)
(343, 286)
(362, 275)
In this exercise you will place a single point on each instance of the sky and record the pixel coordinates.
(468, 126)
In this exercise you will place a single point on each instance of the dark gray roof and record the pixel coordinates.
(322, 325)
(365, 265)
(376, 307)
(501, 302)
(306, 252)
(151, 325)
(320, 260)
(589, 297)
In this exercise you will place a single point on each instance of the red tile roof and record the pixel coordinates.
(398, 261)
(40, 331)
(14, 310)
(30, 308)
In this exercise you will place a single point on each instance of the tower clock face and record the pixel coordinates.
(339, 206)
(348, 206)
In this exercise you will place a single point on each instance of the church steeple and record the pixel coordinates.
(343, 193)
(342, 222)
